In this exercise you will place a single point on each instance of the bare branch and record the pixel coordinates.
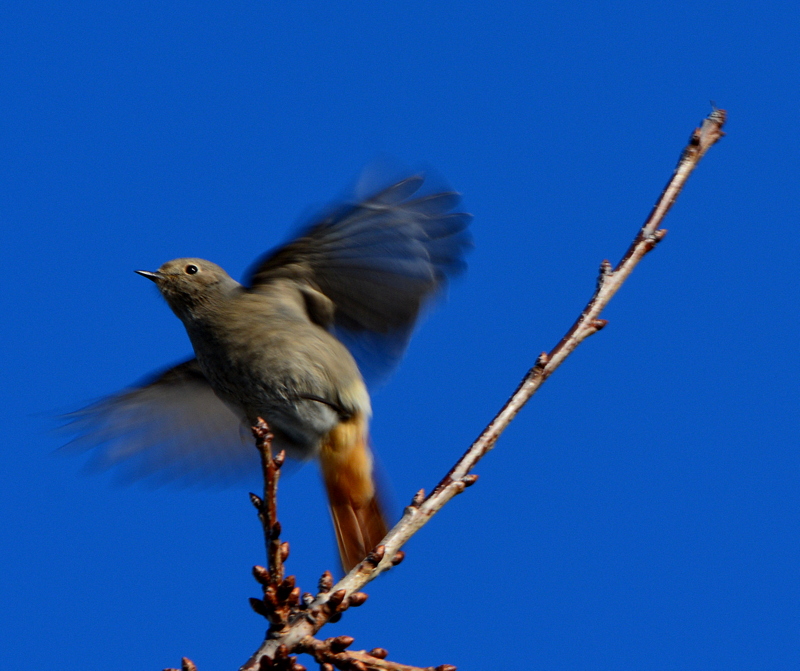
(281, 598)
(329, 602)
(333, 651)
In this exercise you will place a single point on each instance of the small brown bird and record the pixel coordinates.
(274, 347)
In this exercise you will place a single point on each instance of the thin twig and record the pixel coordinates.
(320, 610)
(270, 469)
(281, 596)
(334, 653)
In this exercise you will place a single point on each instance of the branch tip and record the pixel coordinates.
(714, 122)
(418, 498)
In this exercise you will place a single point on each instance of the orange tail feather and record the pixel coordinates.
(346, 463)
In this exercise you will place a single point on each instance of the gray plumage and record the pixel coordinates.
(282, 345)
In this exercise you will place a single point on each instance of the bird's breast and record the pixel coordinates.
(294, 374)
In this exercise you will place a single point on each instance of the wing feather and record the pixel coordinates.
(379, 261)
(171, 427)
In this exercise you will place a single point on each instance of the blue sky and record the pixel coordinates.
(641, 513)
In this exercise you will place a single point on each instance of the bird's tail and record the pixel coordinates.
(346, 462)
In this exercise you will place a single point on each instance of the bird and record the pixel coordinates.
(292, 344)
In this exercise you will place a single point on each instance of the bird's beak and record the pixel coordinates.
(155, 276)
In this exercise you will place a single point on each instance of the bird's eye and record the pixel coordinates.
(191, 269)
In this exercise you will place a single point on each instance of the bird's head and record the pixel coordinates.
(192, 286)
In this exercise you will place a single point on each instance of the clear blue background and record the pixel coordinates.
(641, 513)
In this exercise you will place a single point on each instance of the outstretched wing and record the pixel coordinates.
(172, 427)
(378, 261)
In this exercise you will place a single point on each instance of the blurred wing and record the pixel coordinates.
(378, 261)
(171, 428)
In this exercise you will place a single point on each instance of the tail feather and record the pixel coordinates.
(358, 519)
(358, 530)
